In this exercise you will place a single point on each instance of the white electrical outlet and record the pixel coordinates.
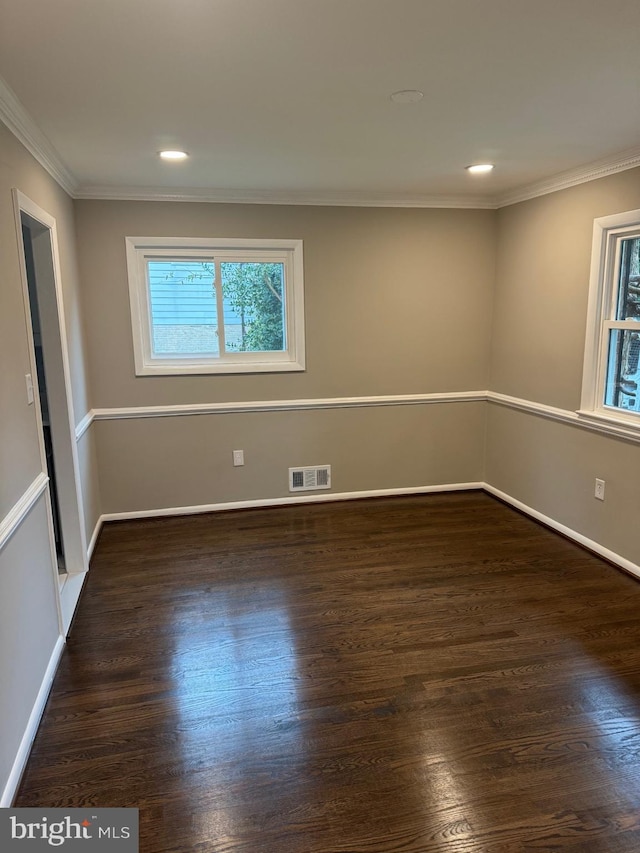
(238, 457)
(599, 489)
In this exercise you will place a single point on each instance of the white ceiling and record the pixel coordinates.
(290, 99)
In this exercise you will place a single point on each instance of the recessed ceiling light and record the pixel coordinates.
(173, 155)
(407, 96)
(480, 168)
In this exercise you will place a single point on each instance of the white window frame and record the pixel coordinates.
(608, 232)
(288, 252)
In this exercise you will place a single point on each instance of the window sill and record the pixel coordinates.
(193, 369)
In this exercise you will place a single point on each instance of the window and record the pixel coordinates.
(611, 385)
(216, 306)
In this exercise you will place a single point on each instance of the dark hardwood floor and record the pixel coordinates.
(418, 674)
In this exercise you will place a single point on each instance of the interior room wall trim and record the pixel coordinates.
(21, 509)
(69, 597)
(314, 199)
(619, 162)
(325, 497)
(590, 544)
(19, 764)
(274, 406)
(550, 412)
(84, 424)
(581, 420)
(24, 128)
(91, 547)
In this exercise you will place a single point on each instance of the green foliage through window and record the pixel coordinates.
(211, 305)
(255, 293)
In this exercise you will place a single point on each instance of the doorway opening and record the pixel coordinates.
(50, 384)
(29, 228)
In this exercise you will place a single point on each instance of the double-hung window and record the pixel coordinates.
(611, 384)
(216, 306)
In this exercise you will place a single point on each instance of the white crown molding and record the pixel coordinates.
(619, 162)
(24, 128)
(26, 131)
(319, 199)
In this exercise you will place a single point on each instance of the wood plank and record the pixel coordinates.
(419, 674)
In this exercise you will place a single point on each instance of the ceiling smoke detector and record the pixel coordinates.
(407, 96)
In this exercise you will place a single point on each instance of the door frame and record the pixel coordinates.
(60, 397)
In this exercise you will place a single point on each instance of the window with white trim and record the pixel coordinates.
(611, 384)
(216, 306)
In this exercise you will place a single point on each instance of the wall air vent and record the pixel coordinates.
(309, 479)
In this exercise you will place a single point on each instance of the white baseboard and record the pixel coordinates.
(325, 497)
(69, 595)
(11, 788)
(75, 582)
(94, 538)
(591, 544)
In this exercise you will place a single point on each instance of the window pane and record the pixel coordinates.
(623, 374)
(184, 318)
(253, 295)
(629, 286)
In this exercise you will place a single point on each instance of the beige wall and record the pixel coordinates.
(90, 479)
(397, 302)
(551, 467)
(542, 282)
(29, 625)
(454, 300)
(158, 463)
(28, 629)
(19, 455)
